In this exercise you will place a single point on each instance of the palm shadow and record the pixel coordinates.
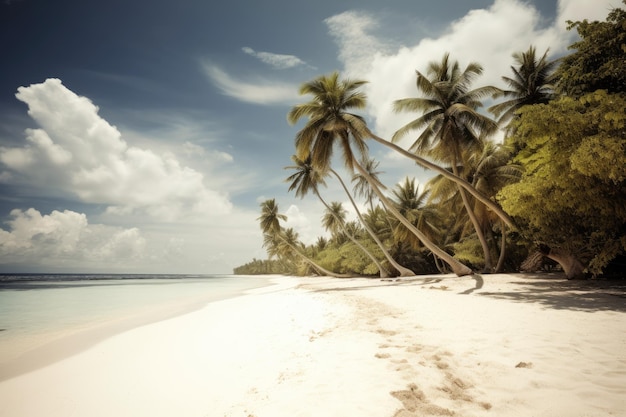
(556, 292)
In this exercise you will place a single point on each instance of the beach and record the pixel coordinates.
(490, 345)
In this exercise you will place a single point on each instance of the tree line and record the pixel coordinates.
(553, 192)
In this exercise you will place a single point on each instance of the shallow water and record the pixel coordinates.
(35, 309)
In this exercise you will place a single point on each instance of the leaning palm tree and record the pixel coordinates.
(359, 126)
(491, 171)
(306, 179)
(533, 82)
(404, 272)
(330, 123)
(450, 123)
(270, 225)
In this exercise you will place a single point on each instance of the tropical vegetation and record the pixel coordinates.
(553, 190)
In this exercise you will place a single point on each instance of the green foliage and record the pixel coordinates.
(469, 251)
(572, 150)
(600, 57)
(572, 194)
(265, 266)
(532, 83)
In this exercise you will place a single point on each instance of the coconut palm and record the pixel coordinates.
(270, 225)
(330, 123)
(490, 171)
(362, 187)
(325, 115)
(532, 82)
(334, 218)
(404, 272)
(306, 179)
(450, 123)
(412, 204)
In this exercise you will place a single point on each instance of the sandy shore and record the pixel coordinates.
(496, 345)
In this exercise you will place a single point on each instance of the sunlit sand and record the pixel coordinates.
(492, 345)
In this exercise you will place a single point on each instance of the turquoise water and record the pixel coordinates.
(35, 309)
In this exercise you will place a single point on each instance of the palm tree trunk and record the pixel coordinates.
(457, 267)
(440, 268)
(572, 267)
(404, 272)
(312, 263)
(477, 226)
(500, 264)
(424, 163)
(381, 269)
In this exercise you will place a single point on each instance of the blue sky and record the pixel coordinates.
(141, 136)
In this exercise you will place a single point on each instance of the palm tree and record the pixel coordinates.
(404, 272)
(270, 225)
(329, 122)
(533, 82)
(307, 178)
(450, 122)
(412, 204)
(358, 127)
(490, 172)
(334, 218)
(362, 187)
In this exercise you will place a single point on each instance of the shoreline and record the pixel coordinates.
(502, 344)
(54, 346)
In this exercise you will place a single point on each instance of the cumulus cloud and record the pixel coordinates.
(262, 92)
(66, 239)
(488, 36)
(278, 61)
(301, 223)
(353, 32)
(577, 10)
(78, 153)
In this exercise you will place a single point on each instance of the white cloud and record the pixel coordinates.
(300, 221)
(62, 239)
(78, 153)
(578, 10)
(278, 61)
(263, 92)
(488, 36)
(67, 241)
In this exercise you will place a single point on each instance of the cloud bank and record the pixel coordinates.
(77, 153)
(488, 36)
(66, 239)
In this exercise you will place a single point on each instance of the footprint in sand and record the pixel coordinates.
(385, 332)
(414, 348)
(416, 404)
(382, 355)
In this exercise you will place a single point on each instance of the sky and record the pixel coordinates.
(141, 136)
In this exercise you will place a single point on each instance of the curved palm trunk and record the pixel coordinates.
(381, 269)
(477, 226)
(312, 263)
(457, 267)
(572, 267)
(404, 272)
(500, 264)
(424, 163)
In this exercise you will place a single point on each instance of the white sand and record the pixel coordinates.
(500, 345)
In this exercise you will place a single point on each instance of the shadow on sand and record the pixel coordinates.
(552, 290)
(556, 292)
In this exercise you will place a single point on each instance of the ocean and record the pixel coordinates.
(37, 309)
